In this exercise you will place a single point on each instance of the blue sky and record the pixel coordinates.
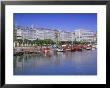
(60, 21)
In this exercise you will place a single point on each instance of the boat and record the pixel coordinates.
(73, 50)
(68, 49)
(46, 50)
(94, 47)
(79, 49)
(88, 48)
(60, 50)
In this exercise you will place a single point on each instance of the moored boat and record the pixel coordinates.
(46, 50)
(88, 48)
(73, 50)
(93, 48)
(68, 49)
(60, 50)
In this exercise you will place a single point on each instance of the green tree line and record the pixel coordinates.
(37, 41)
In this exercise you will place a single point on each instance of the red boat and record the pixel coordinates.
(66, 47)
(77, 48)
(73, 49)
(46, 50)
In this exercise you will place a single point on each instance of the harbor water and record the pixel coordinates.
(56, 63)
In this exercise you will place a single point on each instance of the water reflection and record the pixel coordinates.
(59, 63)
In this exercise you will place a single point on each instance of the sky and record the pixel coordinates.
(59, 21)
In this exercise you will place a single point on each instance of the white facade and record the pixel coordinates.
(49, 34)
(84, 35)
(19, 33)
(39, 34)
(36, 33)
(65, 36)
(55, 35)
(72, 36)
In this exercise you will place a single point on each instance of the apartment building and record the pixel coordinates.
(84, 35)
(55, 35)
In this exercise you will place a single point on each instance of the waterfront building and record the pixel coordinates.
(14, 33)
(55, 35)
(65, 36)
(39, 33)
(72, 37)
(35, 33)
(84, 35)
(44, 33)
(95, 37)
(19, 33)
(48, 34)
(32, 34)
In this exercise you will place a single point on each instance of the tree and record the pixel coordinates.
(20, 41)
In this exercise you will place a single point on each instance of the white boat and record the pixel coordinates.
(93, 48)
(60, 50)
(88, 48)
(68, 49)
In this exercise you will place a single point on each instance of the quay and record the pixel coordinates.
(47, 49)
